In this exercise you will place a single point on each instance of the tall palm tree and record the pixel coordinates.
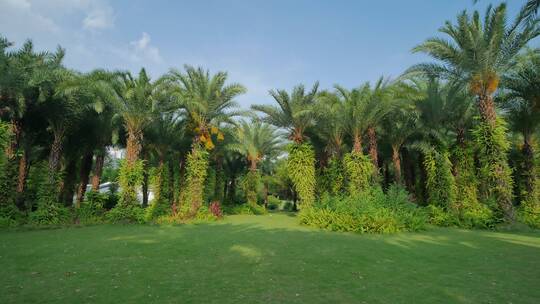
(521, 100)
(207, 100)
(256, 140)
(209, 103)
(136, 101)
(331, 122)
(295, 111)
(478, 53)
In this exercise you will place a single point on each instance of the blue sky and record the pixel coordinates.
(262, 44)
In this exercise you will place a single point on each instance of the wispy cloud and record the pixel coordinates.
(143, 50)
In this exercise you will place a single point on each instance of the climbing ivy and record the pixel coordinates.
(250, 185)
(495, 176)
(301, 171)
(196, 171)
(440, 183)
(130, 177)
(332, 177)
(359, 171)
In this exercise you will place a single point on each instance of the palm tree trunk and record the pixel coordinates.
(98, 170)
(486, 108)
(24, 167)
(133, 145)
(55, 154)
(265, 191)
(145, 184)
(357, 143)
(373, 147)
(66, 188)
(16, 131)
(500, 181)
(84, 174)
(529, 167)
(396, 160)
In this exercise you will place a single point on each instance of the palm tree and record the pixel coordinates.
(521, 100)
(295, 111)
(478, 54)
(256, 140)
(136, 101)
(207, 100)
(209, 103)
(331, 122)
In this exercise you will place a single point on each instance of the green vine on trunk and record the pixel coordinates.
(495, 175)
(196, 171)
(359, 171)
(301, 171)
(130, 178)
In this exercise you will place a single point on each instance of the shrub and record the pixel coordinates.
(10, 216)
(529, 213)
(287, 206)
(215, 209)
(204, 215)
(247, 209)
(440, 217)
(50, 214)
(371, 211)
(156, 209)
(126, 214)
(91, 210)
(273, 203)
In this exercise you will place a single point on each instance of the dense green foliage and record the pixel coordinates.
(370, 210)
(301, 170)
(457, 136)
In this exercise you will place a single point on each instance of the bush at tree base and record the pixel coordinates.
(371, 211)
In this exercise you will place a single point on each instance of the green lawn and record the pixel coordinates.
(266, 259)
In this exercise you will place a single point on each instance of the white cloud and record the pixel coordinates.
(99, 18)
(143, 50)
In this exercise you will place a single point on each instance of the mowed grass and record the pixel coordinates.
(266, 259)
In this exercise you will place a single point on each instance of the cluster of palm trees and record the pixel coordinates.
(440, 130)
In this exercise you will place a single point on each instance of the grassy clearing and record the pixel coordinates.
(266, 259)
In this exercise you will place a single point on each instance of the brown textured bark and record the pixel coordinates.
(55, 154)
(372, 135)
(24, 166)
(16, 131)
(357, 143)
(84, 176)
(98, 170)
(133, 146)
(486, 106)
(252, 164)
(396, 160)
(145, 184)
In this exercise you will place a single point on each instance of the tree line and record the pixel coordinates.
(458, 134)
